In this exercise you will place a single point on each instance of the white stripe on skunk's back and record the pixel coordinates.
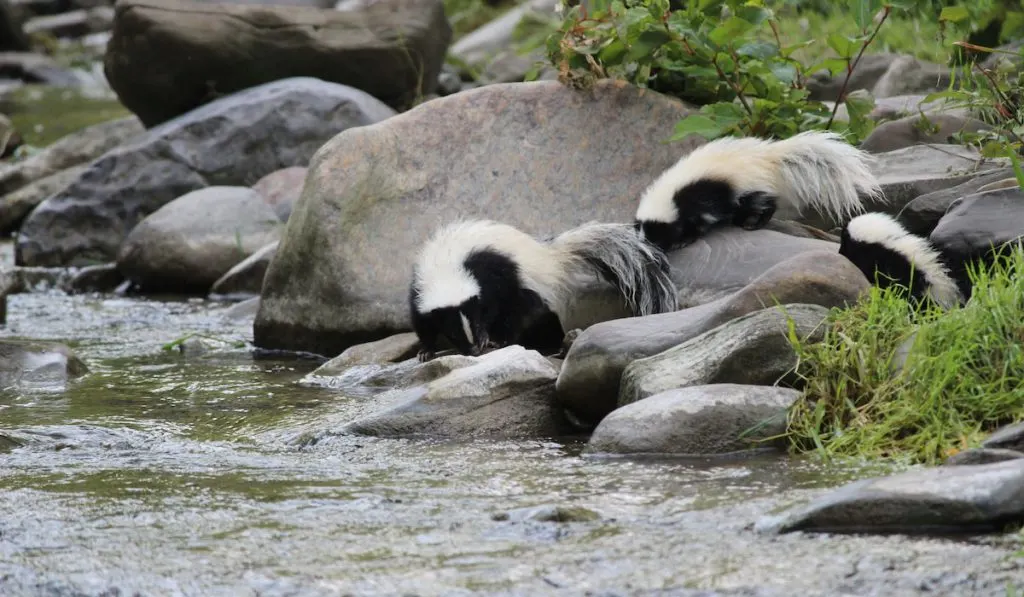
(442, 279)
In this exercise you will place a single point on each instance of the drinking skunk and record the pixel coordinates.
(887, 254)
(483, 284)
(743, 180)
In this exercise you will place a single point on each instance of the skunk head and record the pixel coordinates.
(449, 307)
(673, 215)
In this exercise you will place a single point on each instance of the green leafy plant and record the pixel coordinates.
(726, 55)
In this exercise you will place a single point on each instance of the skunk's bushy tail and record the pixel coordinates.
(616, 253)
(821, 170)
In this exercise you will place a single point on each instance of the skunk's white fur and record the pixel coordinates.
(499, 280)
(878, 242)
(743, 180)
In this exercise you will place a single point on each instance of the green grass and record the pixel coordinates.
(963, 376)
(467, 15)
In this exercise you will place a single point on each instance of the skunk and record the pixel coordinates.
(742, 180)
(887, 254)
(483, 284)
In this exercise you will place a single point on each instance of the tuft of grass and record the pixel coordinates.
(913, 383)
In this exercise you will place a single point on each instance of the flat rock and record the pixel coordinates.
(393, 349)
(907, 74)
(188, 244)
(982, 456)
(242, 311)
(696, 421)
(36, 68)
(872, 66)
(504, 393)
(750, 350)
(75, 149)
(911, 130)
(1010, 437)
(922, 214)
(370, 201)
(911, 172)
(16, 205)
(232, 141)
(104, 277)
(246, 277)
(38, 366)
(588, 383)
(363, 380)
(281, 189)
(975, 224)
(938, 500)
(392, 50)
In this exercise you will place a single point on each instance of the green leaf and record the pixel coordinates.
(844, 46)
(1017, 171)
(864, 11)
(647, 43)
(758, 49)
(755, 15)
(697, 124)
(784, 72)
(833, 65)
(612, 52)
(731, 30)
(954, 14)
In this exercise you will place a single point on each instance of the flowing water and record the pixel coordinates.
(169, 473)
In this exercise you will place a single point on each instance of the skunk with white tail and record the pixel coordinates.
(743, 180)
(484, 284)
(888, 254)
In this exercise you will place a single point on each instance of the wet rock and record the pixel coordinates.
(752, 349)
(10, 138)
(38, 366)
(235, 140)
(40, 279)
(490, 50)
(392, 349)
(913, 130)
(548, 513)
(281, 189)
(246, 277)
(1010, 437)
(907, 74)
(36, 68)
(188, 244)
(73, 24)
(974, 225)
(243, 310)
(504, 393)
(16, 205)
(921, 215)
(696, 421)
(911, 172)
(982, 456)
(369, 202)
(370, 379)
(392, 50)
(588, 383)
(449, 81)
(72, 150)
(96, 278)
(936, 500)
(823, 86)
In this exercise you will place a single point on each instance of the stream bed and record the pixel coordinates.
(165, 473)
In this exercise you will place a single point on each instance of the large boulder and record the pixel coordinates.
(188, 244)
(539, 156)
(392, 49)
(921, 215)
(235, 140)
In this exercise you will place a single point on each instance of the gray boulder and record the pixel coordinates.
(922, 214)
(912, 130)
(392, 349)
(907, 74)
(1010, 437)
(234, 140)
(696, 421)
(29, 365)
(392, 50)
(362, 380)
(188, 244)
(281, 189)
(16, 205)
(936, 500)
(499, 152)
(872, 67)
(753, 349)
(982, 456)
(246, 277)
(491, 50)
(504, 393)
(72, 150)
(588, 383)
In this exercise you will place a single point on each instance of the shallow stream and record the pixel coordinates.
(163, 473)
